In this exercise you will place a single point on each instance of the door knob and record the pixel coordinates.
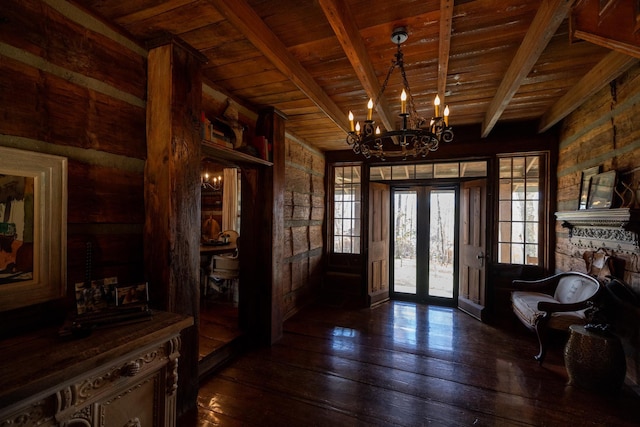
(480, 257)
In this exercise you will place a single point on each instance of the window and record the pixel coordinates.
(519, 217)
(429, 171)
(346, 209)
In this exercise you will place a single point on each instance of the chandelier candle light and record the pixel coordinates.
(206, 184)
(417, 136)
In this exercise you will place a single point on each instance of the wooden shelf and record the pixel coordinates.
(229, 155)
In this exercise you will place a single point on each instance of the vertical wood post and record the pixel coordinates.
(172, 197)
(271, 124)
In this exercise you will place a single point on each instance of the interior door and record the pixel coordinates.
(473, 218)
(378, 253)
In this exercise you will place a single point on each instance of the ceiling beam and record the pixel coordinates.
(545, 24)
(446, 17)
(247, 21)
(339, 17)
(608, 69)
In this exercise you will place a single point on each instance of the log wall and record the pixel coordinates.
(304, 206)
(69, 86)
(603, 132)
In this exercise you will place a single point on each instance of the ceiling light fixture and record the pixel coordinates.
(416, 138)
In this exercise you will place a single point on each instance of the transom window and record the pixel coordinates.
(429, 171)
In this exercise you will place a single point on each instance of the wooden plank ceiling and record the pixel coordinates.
(315, 60)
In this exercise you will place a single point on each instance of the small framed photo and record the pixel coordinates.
(601, 190)
(134, 294)
(585, 183)
(96, 296)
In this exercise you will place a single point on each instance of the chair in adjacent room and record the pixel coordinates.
(226, 268)
(555, 302)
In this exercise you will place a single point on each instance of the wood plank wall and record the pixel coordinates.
(604, 132)
(71, 87)
(304, 206)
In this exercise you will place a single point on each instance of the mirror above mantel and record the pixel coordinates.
(614, 229)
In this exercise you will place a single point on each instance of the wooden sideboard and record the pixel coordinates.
(123, 375)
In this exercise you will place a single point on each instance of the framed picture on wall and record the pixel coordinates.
(601, 190)
(585, 182)
(33, 227)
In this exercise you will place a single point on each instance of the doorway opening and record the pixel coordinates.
(219, 322)
(424, 244)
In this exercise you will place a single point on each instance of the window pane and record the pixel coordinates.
(504, 253)
(533, 192)
(532, 211)
(533, 167)
(505, 189)
(517, 254)
(446, 170)
(519, 210)
(403, 172)
(380, 173)
(532, 232)
(504, 234)
(346, 209)
(517, 232)
(468, 169)
(505, 211)
(518, 169)
(424, 171)
(532, 254)
(505, 168)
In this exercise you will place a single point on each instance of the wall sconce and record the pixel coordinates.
(206, 184)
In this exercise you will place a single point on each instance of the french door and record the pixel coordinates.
(424, 244)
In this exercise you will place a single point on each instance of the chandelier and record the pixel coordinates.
(206, 184)
(417, 137)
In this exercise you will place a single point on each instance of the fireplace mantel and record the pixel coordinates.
(614, 229)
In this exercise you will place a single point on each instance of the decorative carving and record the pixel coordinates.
(172, 366)
(86, 389)
(134, 422)
(36, 414)
(615, 229)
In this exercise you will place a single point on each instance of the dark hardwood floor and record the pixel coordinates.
(403, 364)
(218, 325)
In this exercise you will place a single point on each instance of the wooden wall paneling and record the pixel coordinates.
(41, 30)
(602, 132)
(47, 107)
(104, 195)
(172, 197)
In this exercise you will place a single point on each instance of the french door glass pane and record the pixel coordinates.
(441, 245)
(405, 226)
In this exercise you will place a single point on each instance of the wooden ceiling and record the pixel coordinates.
(315, 60)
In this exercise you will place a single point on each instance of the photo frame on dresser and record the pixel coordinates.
(601, 190)
(585, 182)
(33, 227)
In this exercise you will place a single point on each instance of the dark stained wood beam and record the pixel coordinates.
(614, 25)
(338, 15)
(247, 21)
(446, 17)
(611, 66)
(546, 22)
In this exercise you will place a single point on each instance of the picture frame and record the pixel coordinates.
(585, 182)
(601, 190)
(132, 294)
(96, 296)
(33, 208)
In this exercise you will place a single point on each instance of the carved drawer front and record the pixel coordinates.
(124, 376)
(135, 391)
